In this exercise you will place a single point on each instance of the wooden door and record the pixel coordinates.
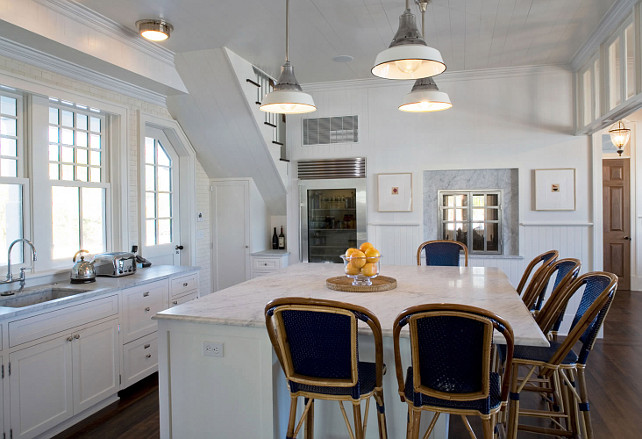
(617, 219)
(231, 232)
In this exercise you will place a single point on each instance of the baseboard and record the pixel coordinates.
(79, 417)
(636, 283)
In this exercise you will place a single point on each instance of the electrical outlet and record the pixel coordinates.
(212, 349)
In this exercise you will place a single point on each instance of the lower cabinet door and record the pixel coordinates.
(40, 380)
(140, 359)
(96, 362)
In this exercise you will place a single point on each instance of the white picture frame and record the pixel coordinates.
(555, 189)
(394, 192)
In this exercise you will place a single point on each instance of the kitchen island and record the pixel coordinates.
(218, 376)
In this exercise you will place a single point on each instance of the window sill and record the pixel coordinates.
(494, 257)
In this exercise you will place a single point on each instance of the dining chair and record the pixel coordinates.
(450, 364)
(315, 341)
(442, 252)
(563, 271)
(545, 259)
(558, 370)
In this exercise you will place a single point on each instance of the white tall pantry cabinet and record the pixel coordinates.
(239, 227)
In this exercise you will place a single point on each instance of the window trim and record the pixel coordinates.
(469, 221)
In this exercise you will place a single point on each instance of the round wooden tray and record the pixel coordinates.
(344, 283)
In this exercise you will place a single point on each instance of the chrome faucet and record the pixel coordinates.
(9, 278)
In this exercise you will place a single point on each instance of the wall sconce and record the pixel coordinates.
(620, 136)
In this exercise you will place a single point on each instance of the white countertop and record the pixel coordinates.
(103, 285)
(484, 287)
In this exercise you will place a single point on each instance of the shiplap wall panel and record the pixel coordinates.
(397, 242)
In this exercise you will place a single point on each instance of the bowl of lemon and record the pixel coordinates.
(362, 264)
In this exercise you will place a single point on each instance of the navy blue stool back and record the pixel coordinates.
(442, 253)
(546, 259)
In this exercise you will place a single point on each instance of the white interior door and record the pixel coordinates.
(230, 232)
(160, 206)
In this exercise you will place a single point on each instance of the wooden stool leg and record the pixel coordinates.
(309, 421)
(358, 427)
(584, 402)
(487, 425)
(381, 414)
(292, 419)
(409, 423)
(513, 406)
(416, 423)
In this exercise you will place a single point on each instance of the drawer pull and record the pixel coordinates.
(175, 302)
(148, 356)
(147, 309)
(70, 338)
(146, 346)
(146, 293)
(185, 284)
(77, 336)
(265, 264)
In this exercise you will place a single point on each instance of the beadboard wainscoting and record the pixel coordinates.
(397, 242)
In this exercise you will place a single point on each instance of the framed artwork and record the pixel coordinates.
(395, 192)
(555, 189)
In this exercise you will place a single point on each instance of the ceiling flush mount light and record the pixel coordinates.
(154, 29)
(287, 97)
(620, 136)
(425, 95)
(408, 56)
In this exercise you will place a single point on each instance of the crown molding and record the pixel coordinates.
(446, 77)
(613, 18)
(125, 35)
(20, 52)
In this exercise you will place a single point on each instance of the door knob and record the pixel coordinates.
(179, 247)
(628, 238)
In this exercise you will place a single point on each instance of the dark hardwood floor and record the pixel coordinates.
(614, 376)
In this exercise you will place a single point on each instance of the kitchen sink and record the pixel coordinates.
(34, 295)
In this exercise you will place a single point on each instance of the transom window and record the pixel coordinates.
(473, 218)
(78, 179)
(158, 193)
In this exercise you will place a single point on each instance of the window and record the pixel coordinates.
(158, 193)
(78, 179)
(12, 183)
(478, 212)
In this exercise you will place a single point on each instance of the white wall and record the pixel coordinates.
(519, 118)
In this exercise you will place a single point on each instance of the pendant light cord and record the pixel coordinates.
(287, 33)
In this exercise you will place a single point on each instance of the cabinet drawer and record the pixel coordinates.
(140, 359)
(183, 284)
(266, 264)
(184, 298)
(50, 322)
(140, 304)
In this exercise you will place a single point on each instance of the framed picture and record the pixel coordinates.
(395, 192)
(555, 189)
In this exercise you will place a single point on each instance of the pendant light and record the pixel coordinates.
(425, 95)
(287, 97)
(620, 136)
(408, 56)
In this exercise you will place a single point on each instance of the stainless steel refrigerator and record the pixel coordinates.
(333, 217)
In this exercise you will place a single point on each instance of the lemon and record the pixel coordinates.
(370, 269)
(351, 269)
(358, 259)
(372, 254)
(350, 251)
(365, 246)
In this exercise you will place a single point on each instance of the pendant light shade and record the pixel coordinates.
(620, 136)
(408, 56)
(287, 97)
(425, 97)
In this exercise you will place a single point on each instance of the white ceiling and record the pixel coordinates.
(471, 34)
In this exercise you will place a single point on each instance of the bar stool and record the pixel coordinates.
(442, 252)
(563, 270)
(315, 341)
(546, 259)
(451, 364)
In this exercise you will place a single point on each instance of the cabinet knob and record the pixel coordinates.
(185, 284)
(147, 309)
(175, 302)
(146, 346)
(146, 293)
(77, 336)
(70, 338)
(148, 356)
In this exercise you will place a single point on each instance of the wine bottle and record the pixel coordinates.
(281, 239)
(275, 240)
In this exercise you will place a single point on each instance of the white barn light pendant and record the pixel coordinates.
(287, 97)
(408, 56)
(425, 95)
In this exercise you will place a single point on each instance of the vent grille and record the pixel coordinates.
(337, 168)
(324, 131)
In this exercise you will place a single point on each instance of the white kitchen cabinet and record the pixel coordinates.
(268, 261)
(53, 380)
(140, 359)
(239, 227)
(183, 289)
(139, 305)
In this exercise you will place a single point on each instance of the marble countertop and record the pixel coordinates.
(271, 252)
(102, 286)
(485, 287)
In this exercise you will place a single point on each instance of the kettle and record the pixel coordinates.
(82, 271)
